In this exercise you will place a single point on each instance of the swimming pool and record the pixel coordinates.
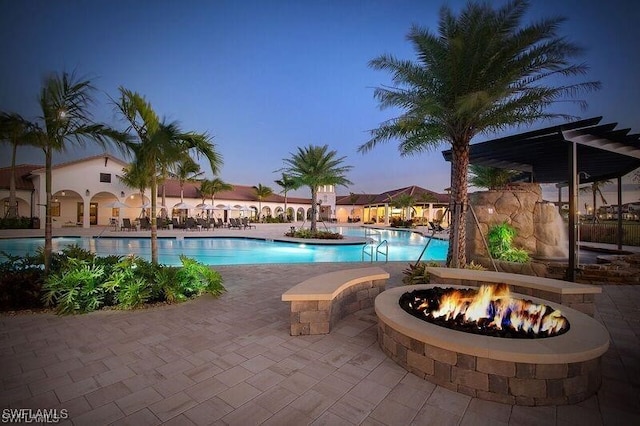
(403, 245)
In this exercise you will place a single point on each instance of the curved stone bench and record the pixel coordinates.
(318, 303)
(580, 297)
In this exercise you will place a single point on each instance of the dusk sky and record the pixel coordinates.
(265, 77)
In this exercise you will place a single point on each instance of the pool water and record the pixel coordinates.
(403, 245)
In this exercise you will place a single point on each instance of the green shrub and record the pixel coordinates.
(15, 223)
(76, 290)
(474, 266)
(501, 244)
(320, 235)
(417, 273)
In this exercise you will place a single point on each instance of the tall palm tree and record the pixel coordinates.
(314, 166)
(262, 192)
(64, 102)
(160, 144)
(185, 170)
(596, 189)
(490, 177)
(17, 131)
(287, 183)
(482, 72)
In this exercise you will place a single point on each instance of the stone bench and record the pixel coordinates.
(318, 303)
(580, 297)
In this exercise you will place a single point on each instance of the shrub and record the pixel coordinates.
(501, 244)
(321, 235)
(76, 290)
(474, 266)
(15, 223)
(417, 273)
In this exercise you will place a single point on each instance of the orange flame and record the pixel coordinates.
(494, 304)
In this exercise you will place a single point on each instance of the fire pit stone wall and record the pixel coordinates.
(555, 371)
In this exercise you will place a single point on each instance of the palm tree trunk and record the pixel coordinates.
(154, 224)
(456, 255)
(286, 214)
(314, 196)
(12, 212)
(48, 231)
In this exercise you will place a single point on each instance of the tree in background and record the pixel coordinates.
(596, 189)
(17, 131)
(287, 183)
(313, 166)
(262, 192)
(490, 177)
(482, 72)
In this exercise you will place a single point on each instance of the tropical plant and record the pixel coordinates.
(209, 188)
(482, 72)
(261, 192)
(76, 289)
(136, 177)
(287, 183)
(500, 241)
(404, 202)
(490, 177)
(596, 189)
(318, 235)
(64, 103)
(160, 145)
(417, 273)
(313, 166)
(185, 170)
(17, 131)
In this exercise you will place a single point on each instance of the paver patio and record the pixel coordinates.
(231, 361)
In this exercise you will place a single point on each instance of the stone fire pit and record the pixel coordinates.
(556, 370)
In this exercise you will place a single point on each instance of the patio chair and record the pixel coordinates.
(190, 224)
(235, 223)
(145, 223)
(246, 224)
(126, 224)
(176, 224)
(219, 223)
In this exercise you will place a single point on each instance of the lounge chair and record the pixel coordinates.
(190, 224)
(246, 224)
(145, 223)
(126, 224)
(218, 223)
(235, 223)
(176, 224)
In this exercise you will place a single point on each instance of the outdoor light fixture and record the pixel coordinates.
(87, 192)
(121, 194)
(62, 193)
(490, 210)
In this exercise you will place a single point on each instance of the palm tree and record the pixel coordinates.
(314, 166)
(15, 130)
(482, 72)
(287, 183)
(64, 102)
(185, 170)
(404, 202)
(160, 145)
(490, 177)
(210, 188)
(137, 178)
(596, 189)
(262, 192)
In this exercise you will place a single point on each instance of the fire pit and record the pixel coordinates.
(563, 368)
(489, 310)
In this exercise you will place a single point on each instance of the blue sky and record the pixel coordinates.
(265, 77)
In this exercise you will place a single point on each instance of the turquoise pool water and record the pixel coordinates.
(403, 246)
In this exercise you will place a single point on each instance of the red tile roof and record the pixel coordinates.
(420, 195)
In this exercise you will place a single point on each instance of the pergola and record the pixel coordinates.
(569, 154)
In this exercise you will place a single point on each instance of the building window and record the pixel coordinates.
(55, 208)
(105, 177)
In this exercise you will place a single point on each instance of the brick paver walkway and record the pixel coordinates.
(231, 361)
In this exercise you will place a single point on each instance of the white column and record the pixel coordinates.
(86, 216)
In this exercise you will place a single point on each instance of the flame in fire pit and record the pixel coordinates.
(489, 310)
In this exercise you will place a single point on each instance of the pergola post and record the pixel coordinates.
(573, 192)
(619, 212)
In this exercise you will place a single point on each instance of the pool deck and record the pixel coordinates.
(231, 361)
